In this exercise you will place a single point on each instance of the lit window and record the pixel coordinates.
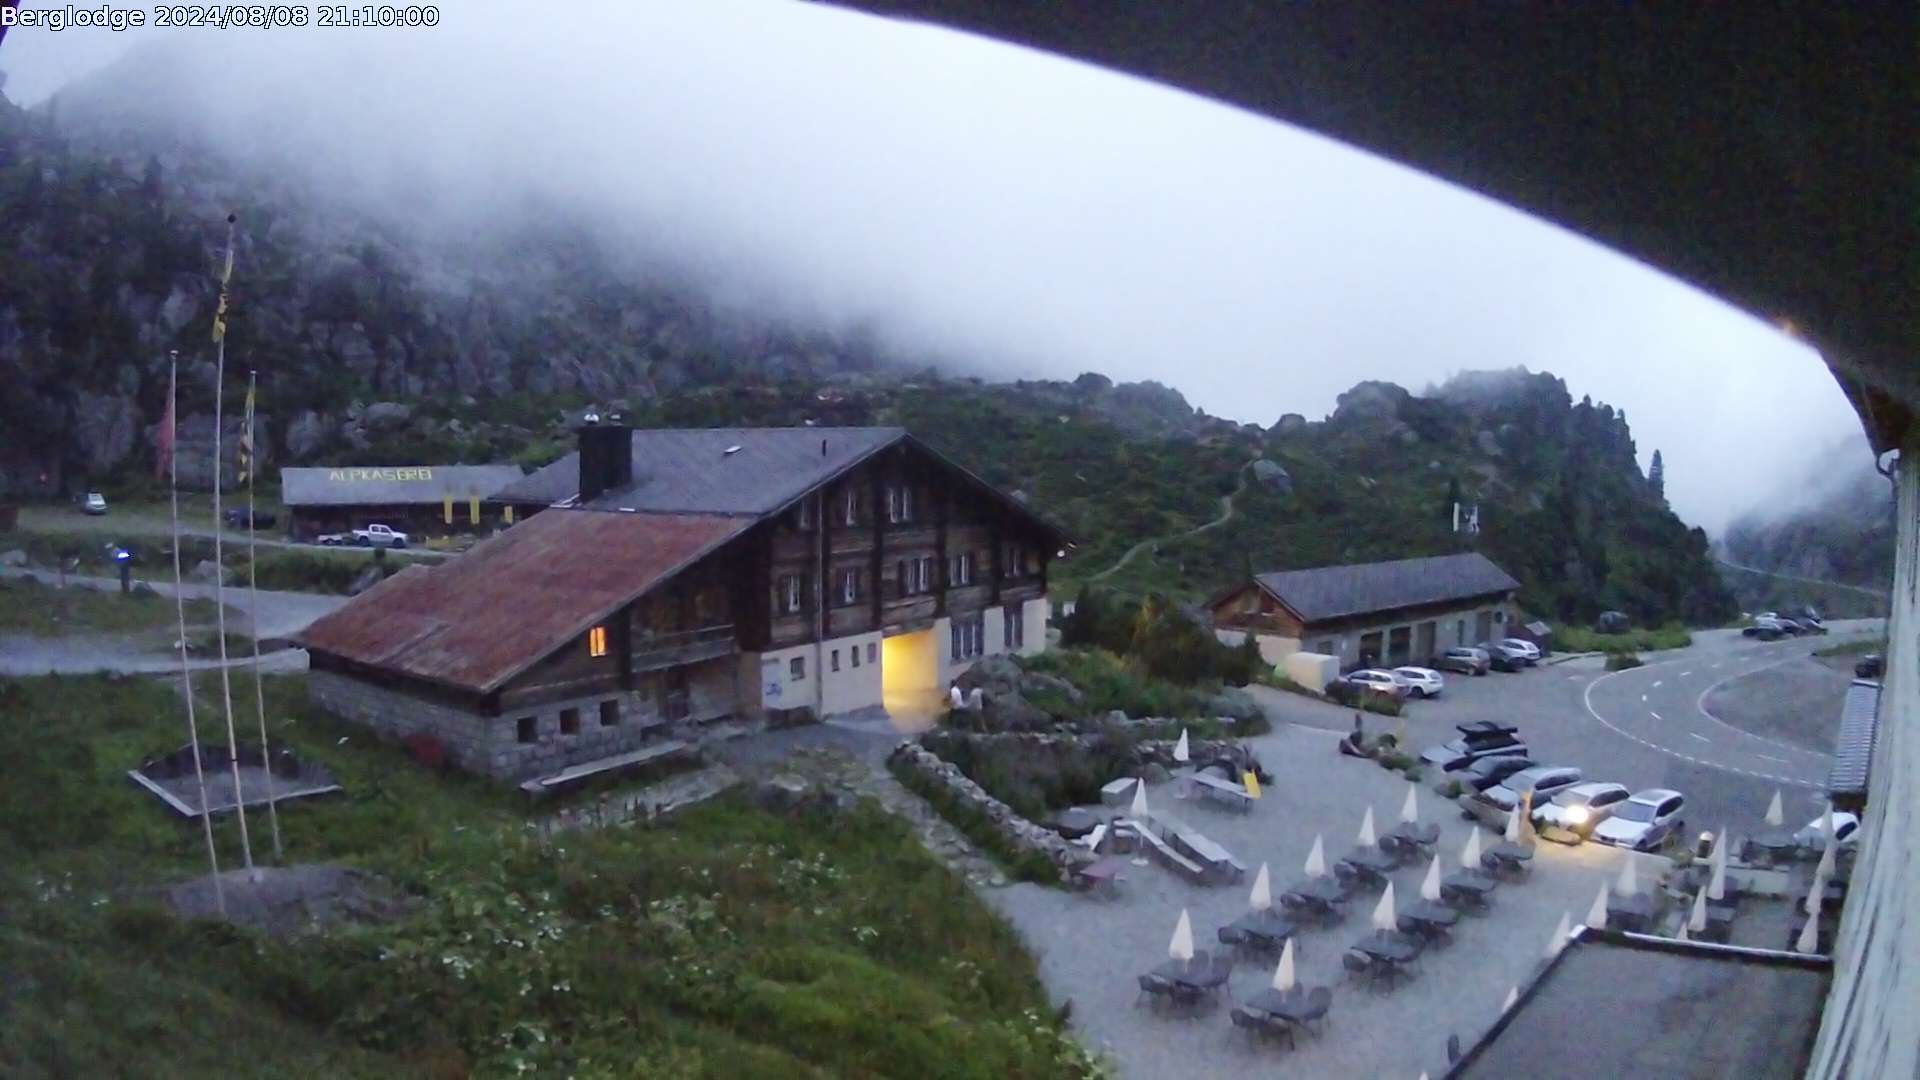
(597, 641)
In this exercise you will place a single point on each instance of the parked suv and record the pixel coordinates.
(1466, 660)
(1482, 738)
(1574, 813)
(1503, 657)
(1543, 782)
(1527, 650)
(1488, 771)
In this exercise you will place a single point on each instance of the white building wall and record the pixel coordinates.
(768, 680)
(1274, 649)
(1033, 618)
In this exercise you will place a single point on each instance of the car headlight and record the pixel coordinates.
(1578, 815)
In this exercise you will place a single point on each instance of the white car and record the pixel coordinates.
(1524, 647)
(1846, 831)
(1574, 813)
(1645, 822)
(1381, 681)
(95, 504)
(1421, 682)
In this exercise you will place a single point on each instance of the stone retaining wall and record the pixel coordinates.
(1018, 830)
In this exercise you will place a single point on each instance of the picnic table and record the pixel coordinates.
(1318, 895)
(1631, 912)
(1467, 889)
(1390, 950)
(1411, 837)
(1268, 930)
(1508, 857)
(1101, 876)
(1773, 845)
(1297, 1005)
(1429, 919)
(1233, 793)
(1204, 973)
(1370, 863)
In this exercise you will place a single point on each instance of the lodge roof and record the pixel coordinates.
(1334, 592)
(689, 470)
(355, 485)
(476, 621)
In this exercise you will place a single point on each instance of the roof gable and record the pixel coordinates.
(476, 621)
(1332, 592)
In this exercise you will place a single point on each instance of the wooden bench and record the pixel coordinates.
(1175, 861)
(541, 786)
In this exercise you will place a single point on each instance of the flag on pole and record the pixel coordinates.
(246, 440)
(163, 438)
(226, 275)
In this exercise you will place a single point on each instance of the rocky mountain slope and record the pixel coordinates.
(1834, 525)
(374, 343)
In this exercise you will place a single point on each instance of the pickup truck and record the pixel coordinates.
(371, 536)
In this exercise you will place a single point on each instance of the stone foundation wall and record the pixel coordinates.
(1018, 830)
(491, 744)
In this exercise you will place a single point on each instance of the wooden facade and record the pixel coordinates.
(891, 545)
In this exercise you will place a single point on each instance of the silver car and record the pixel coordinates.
(1571, 816)
(1543, 782)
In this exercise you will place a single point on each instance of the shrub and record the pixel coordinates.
(1394, 760)
(1621, 661)
(1415, 771)
(1378, 703)
(1452, 789)
(1581, 639)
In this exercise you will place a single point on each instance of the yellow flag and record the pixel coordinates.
(446, 508)
(473, 509)
(506, 515)
(1252, 783)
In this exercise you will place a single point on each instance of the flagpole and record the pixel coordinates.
(180, 609)
(219, 567)
(253, 602)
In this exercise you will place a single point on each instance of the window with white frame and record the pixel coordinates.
(899, 504)
(962, 569)
(850, 506)
(790, 596)
(1013, 561)
(803, 514)
(849, 586)
(969, 636)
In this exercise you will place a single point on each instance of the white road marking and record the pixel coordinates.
(1684, 674)
(1696, 735)
(1643, 699)
(1770, 757)
(1656, 715)
(1587, 700)
(1657, 682)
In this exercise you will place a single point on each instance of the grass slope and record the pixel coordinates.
(733, 942)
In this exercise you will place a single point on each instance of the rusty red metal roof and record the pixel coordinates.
(476, 621)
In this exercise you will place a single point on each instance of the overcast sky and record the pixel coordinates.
(986, 201)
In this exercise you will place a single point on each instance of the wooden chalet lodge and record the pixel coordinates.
(689, 576)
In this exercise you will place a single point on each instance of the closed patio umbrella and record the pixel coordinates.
(1470, 855)
(1181, 947)
(1717, 884)
(1138, 811)
(1410, 810)
(1367, 838)
(1597, 914)
(1180, 750)
(1513, 996)
(1317, 858)
(1283, 978)
(1629, 882)
(1383, 913)
(1262, 896)
(1430, 885)
(1809, 939)
(1776, 817)
(1697, 918)
(1816, 894)
(1827, 853)
(1513, 825)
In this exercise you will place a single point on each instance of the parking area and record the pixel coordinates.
(1092, 951)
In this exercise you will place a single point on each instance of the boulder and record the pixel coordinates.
(305, 434)
(782, 792)
(1273, 476)
(1289, 423)
(16, 557)
(206, 570)
(1040, 681)
(387, 414)
(993, 675)
(1487, 443)
(1155, 773)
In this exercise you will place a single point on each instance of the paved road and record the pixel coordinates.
(1577, 713)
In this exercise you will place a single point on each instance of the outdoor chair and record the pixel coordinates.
(1232, 936)
(1319, 1000)
(1183, 994)
(1247, 1022)
(1358, 965)
(1154, 988)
